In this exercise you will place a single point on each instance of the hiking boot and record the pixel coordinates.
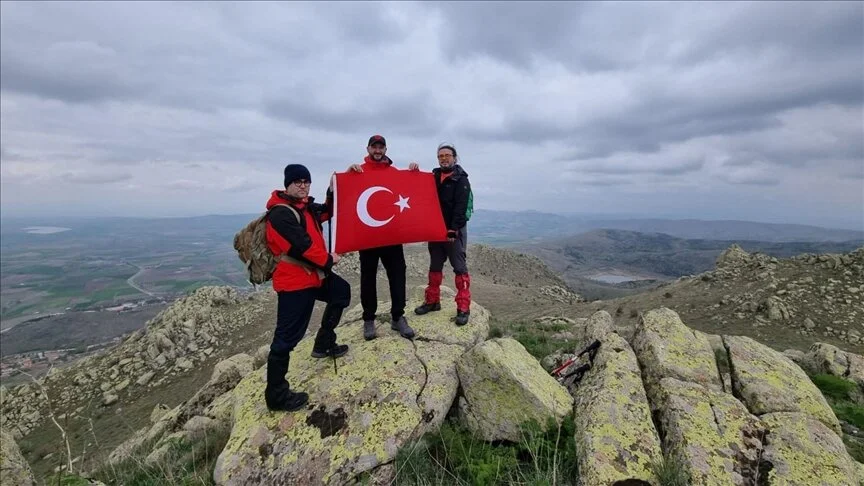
(284, 400)
(462, 317)
(423, 309)
(336, 351)
(369, 330)
(402, 326)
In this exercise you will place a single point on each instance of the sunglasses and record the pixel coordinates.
(302, 182)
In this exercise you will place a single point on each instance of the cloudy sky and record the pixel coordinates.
(718, 110)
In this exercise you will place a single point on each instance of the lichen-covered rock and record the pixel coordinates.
(505, 387)
(382, 394)
(615, 437)
(801, 450)
(721, 358)
(666, 348)
(709, 433)
(768, 382)
(829, 359)
(14, 469)
(226, 374)
(596, 328)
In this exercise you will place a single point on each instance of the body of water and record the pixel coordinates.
(612, 278)
(45, 230)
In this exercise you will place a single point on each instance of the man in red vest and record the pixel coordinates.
(302, 276)
(392, 257)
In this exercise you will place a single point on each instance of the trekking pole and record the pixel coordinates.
(330, 249)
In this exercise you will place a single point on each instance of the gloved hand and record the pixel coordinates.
(451, 235)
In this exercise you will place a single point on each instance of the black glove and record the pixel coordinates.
(451, 234)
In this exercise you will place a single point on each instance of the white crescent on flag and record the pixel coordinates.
(363, 209)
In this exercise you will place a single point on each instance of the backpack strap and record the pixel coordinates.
(288, 259)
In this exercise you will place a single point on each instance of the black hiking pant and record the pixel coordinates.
(293, 312)
(441, 251)
(393, 259)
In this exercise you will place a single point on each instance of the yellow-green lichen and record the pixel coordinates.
(710, 433)
(666, 348)
(505, 387)
(767, 382)
(802, 450)
(616, 439)
(373, 390)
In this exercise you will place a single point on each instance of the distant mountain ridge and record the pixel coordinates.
(512, 226)
(494, 226)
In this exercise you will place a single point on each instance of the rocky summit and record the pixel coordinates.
(715, 408)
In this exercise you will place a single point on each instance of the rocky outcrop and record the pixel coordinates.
(616, 441)
(13, 467)
(505, 387)
(768, 382)
(802, 450)
(831, 360)
(811, 295)
(666, 348)
(710, 434)
(21, 407)
(177, 340)
(375, 399)
(208, 411)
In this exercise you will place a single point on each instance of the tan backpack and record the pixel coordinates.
(252, 248)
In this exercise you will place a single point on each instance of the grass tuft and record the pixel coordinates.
(453, 455)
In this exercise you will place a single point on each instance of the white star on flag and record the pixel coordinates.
(402, 203)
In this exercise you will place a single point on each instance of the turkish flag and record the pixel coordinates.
(385, 207)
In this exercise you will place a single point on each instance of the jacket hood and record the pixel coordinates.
(386, 162)
(279, 197)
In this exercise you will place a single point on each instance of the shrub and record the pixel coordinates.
(670, 473)
(834, 387)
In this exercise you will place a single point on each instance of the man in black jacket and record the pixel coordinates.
(454, 192)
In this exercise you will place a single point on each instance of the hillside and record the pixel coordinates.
(517, 286)
(584, 258)
(785, 304)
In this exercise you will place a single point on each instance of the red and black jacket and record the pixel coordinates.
(303, 241)
(453, 191)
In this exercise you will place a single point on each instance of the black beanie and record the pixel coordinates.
(295, 172)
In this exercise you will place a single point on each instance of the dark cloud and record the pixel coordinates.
(411, 115)
(80, 82)
(662, 167)
(629, 97)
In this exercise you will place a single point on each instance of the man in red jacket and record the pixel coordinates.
(302, 276)
(392, 257)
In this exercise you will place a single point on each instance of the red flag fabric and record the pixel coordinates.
(388, 207)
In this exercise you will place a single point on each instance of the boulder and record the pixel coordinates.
(829, 359)
(801, 450)
(382, 394)
(666, 348)
(615, 436)
(14, 469)
(767, 382)
(710, 434)
(505, 387)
